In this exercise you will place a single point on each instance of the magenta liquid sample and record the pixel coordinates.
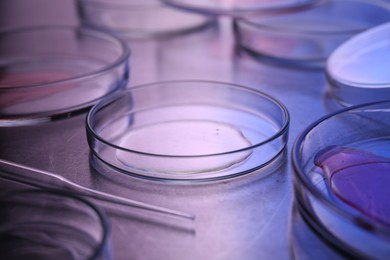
(30, 78)
(359, 178)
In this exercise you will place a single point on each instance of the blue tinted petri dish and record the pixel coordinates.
(188, 131)
(345, 230)
(306, 38)
(137, 19)
(51, 72)
(358, 70)
(239, 7)
(52, 224)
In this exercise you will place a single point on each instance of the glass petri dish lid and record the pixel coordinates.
(139, 18)
(239, 7)
(49, 72)
(341, 179)
(188, 130)
(306, 38)
(357, 70)
(52, 224)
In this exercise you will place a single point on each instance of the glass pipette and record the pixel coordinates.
(27, 175)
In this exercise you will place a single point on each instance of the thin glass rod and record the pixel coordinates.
(43, 179)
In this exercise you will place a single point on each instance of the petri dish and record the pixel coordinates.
(188, 130)
(357, 70)
(354, 143)
(49, 72)
(139, 18)
(51, 224)
(306, 38)
(239, 7)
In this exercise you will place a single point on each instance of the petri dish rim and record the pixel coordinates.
(95, 159)
(250, 21)
(99, 213)
(113, 98)
(115, 4)
(240, 11)
(142, 9)
(164, 34)
(336, 80)
(342, 82)
(123, 58)
(300, 174)
(310, 47)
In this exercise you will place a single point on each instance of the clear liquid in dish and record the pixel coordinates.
(192, 143)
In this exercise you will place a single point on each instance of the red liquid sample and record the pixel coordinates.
(9, 79)
(360, 179)
(32, 80)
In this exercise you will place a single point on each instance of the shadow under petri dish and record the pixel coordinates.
(358, 69)
(190, 138)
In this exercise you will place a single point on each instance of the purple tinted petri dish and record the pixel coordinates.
(51, 72)
(341, 165)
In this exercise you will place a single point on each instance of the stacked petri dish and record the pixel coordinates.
(357, 71)
(305, 38)
(188, 130)
(49, 72)
(131, 19)
(341, 180)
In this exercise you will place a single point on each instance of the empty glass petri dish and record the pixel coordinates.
(306, 38)
(46, 72)
(138, 18)
(341, 179)
(188, 130)
(357, 70)
(239, 7)
(51, 224)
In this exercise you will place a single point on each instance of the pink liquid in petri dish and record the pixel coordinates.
(9, 79)
(359, 178)
(34, 80)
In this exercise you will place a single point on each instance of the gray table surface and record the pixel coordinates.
(241, 218)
